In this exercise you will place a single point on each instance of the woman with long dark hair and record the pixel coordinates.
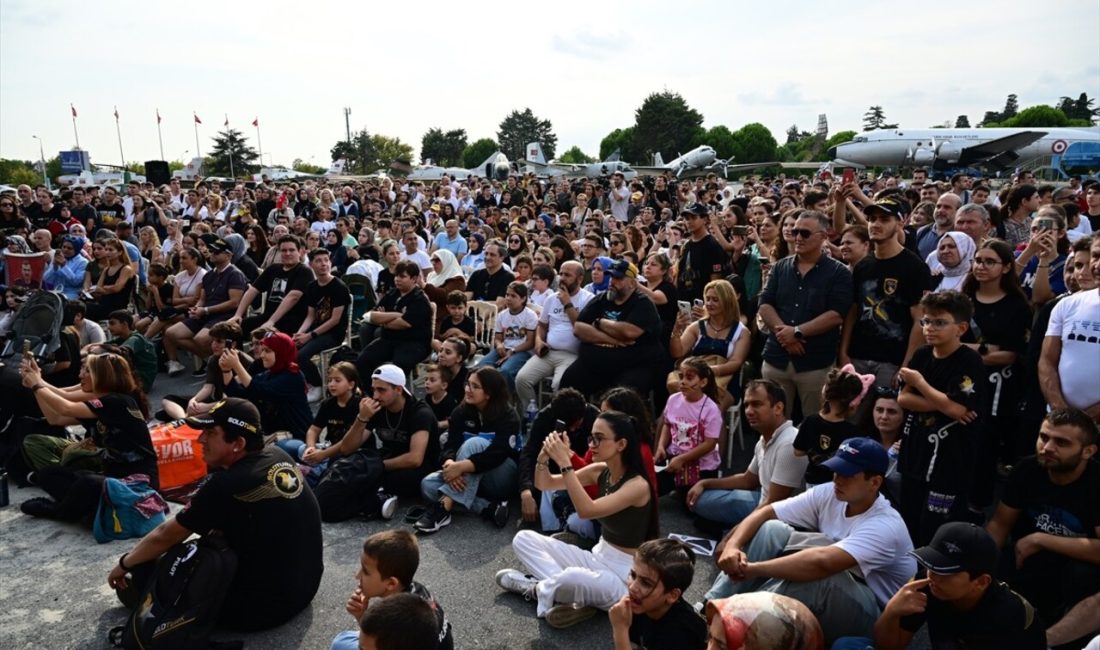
(998, 331)
(115, 286)
(257, 244)
(625, 505)
(480, 470)
(111, 405)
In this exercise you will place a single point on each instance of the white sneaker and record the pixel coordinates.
(389, 505)
(517, 582)
(175, 368)
(315, 394)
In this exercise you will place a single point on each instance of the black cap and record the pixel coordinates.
(215, 243)
(959, 546)
(697, 209)
(232, 414)
(890, 206)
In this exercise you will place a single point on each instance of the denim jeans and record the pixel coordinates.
(509, 368)
(853, 643)
(346, 640)
(498, 484)
(295, 448)
(843, 605)
(726, 507)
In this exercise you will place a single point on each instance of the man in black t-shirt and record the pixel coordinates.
(490, 283)
(259, 496)
(284, 284)
(328, 304)
(703, 258)
(404, 449)
(882, 329)
(619, 332)
(405, 317)
(959, 600)
(1051, 511)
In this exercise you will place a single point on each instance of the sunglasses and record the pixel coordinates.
(802, 233)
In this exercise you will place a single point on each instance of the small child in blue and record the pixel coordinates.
(386, 567)
(820, 434)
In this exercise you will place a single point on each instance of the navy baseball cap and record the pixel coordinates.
(858, 455)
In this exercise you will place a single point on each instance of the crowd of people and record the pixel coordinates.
(917, 359)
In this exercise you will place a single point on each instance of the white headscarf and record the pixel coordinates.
(449, 268)
(953, 277)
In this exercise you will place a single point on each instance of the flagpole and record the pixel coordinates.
(198, 149)
(160, 138)
(75, 134)
(118, 130)
(229, 141)
(259, 143)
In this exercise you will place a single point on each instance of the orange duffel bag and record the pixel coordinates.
(179, 458)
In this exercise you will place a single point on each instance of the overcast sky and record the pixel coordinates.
(406, 67)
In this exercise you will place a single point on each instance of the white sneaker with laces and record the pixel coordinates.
(175, 368)
(389, 505)
(517, 582)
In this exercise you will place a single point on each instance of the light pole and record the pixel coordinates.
(185, 152)
(42, 160)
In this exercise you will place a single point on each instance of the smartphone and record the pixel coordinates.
(1044, 224)
(740, 230)
(849, 175)
(684, 306)
(698, 303)
(559, 425)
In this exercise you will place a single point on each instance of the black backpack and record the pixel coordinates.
(179, 607)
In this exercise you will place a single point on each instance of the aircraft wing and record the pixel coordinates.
(651, 171)
(994, 148)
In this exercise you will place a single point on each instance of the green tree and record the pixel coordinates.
(1040, 116)
(1083, 110)
(360, 153)
(300, 165)
(174, 165)
(53, 168)
(722, 139)
(962, 122)
(665, 124)
(19, 172)
(837, 138)
(623, 140)
(874, 118)
(517, 129)
(478, 151)
(1012, 106)
(752, 143)
(231, 143)
(990, 118)
(443, 148)
(387, 150)
(574, 156)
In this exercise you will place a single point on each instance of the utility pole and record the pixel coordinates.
(347, 128)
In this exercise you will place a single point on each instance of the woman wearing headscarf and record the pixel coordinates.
(336, 252)
(475, 258)
(445, 277)
(241, 260)
(601, 279)
(66, 271)
(279, 391)
(951, 260)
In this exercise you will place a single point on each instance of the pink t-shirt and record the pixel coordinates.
(689, 423)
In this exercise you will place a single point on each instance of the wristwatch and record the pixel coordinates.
(983, 349)
(798, 333)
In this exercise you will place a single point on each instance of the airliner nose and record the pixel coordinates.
(832, 151)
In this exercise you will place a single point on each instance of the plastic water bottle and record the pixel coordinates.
(531, 412)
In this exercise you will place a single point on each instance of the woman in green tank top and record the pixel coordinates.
(568, 582)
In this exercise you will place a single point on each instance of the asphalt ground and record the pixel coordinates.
(54, 593)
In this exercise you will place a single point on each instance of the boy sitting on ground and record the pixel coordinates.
(654, 614)
(386, 567)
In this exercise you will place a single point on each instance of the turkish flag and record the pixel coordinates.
(116, 112)
(73, 109)
(158, 116)
(256, 122)
(197, 120)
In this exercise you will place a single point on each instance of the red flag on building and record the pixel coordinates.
(73, 109)
(197, 120)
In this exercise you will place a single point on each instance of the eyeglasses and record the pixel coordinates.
(803, 233)
(986, 261)
(596, 441)
(936, 323)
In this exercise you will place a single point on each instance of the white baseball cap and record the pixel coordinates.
(391, 374)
